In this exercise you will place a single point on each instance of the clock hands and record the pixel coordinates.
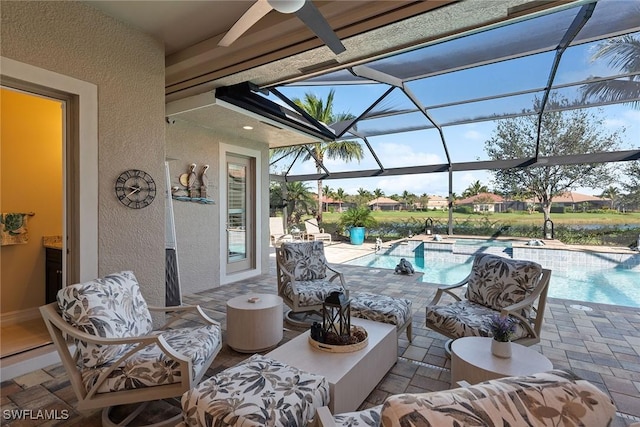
(135, 190)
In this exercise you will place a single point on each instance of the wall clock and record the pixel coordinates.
(135, 188)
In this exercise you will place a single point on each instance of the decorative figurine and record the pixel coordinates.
(204, 182)
(191, 181)
(404, 267)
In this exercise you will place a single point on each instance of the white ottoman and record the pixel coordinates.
(383, 308)
(257, 392)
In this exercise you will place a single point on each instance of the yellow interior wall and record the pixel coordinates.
(30, 181)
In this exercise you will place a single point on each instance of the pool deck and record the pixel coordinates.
(601, 345)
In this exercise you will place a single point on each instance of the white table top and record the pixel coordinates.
(300, 353)
(476, 351)
(262, 301)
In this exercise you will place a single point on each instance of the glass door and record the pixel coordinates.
(240, 213)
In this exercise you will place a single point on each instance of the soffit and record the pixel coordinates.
(280, 48)
(227, 121)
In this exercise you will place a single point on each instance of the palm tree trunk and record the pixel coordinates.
(319, 215)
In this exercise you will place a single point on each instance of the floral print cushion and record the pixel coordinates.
(555, 398)
(151, 366)
(365, 418)
(498, 282)
(305, 260)
(109, 307)
(257, 392)
(466, 319)
(381, 308)
(312, 292)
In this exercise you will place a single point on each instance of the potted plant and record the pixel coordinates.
(502, 328)
(356, 220)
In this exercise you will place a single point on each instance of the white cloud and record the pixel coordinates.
(632, 115)
(474, 135)
(400, 155)
(614, 123)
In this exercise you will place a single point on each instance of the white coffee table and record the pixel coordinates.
(254, 326)
(472, 361)
(351, 376)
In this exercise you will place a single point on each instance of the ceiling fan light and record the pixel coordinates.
(286, 6)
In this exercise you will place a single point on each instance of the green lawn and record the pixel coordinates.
(521, 218)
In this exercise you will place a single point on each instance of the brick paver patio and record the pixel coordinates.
(601, 345)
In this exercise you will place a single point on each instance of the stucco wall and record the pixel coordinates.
(198, 226)
(73, 39)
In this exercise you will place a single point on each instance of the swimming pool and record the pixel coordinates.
(610, 286)
(487, 243)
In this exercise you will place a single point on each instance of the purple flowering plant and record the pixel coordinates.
(502, 327)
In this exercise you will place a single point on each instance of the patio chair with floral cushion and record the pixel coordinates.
(119, 358)
(496, 285)
(305, 280)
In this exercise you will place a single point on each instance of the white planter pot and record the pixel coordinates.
(501, 349)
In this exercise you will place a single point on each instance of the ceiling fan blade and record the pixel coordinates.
(255, 13)
(311, 16)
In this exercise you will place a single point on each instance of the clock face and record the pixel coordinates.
(135, 189)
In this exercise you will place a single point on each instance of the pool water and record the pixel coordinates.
(611, 286)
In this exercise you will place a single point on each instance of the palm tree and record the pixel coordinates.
(377, 193)
(623, 54)
(328, 193)
(364, 196)
(612, 193)
(300, 201)
(424, 201)
(474, 189)
(339, 196)
(322, 110)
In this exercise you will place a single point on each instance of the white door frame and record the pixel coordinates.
(242, 151)
(87, 96)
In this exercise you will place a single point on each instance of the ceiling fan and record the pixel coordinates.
(304, 10)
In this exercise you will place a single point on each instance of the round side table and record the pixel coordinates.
(472, 361)
(254, 326)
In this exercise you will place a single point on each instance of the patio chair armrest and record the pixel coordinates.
(339, 276)
(180, 311)
(51, 315)
(530, 299)
(323, 418)
(284, 270)
(440, 293)
(447, 290)
(332, 269)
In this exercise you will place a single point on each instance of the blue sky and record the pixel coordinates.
(465, 142)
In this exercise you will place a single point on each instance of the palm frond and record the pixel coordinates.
(622, 53)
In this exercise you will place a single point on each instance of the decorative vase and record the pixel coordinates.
(356, 235)
(501, 349)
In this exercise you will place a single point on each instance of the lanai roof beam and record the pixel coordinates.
(579, 21)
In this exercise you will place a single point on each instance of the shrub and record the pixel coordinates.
(464, 209)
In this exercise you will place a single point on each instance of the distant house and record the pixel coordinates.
(329, 203)
(434, 202)
(577, 201)
(437, 202)
(384, 204)
(483, 202)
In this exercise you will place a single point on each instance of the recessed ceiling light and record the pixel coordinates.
(247, 127)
